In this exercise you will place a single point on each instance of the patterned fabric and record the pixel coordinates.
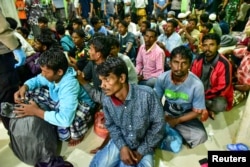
(79, 126)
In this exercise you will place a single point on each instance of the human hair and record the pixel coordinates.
(54, 59)
(77, 21)
(43, 20)
(194, 20)
(114, 65)
(222, 15)
(204, 17)
(152, 30)
(127, 15)
(101, 44)
(173, 22)
(24, 30)
(60, 29)
(212, 36)
(124, 23)
(80, 33)
(113, 41)
(94, 20)
(183, 51)
(161, 15)
(12, 22)
(208, 25)
(147, 23)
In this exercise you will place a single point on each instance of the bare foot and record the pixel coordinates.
(211, 115)
(74, 142)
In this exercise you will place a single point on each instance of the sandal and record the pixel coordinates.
(237, 147)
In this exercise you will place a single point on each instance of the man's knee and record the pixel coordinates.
(218, 104)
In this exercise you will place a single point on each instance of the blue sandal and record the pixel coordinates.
(237, 147)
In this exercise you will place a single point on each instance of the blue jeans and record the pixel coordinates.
(109, 156)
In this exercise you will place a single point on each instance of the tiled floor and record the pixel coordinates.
(221, 132)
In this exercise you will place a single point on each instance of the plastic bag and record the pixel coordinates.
(33, 139)
(172, 141)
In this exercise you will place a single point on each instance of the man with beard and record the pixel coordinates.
(215, 72)
(184, 98)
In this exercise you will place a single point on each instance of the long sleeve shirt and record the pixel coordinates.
(138, 122)
(150, 63)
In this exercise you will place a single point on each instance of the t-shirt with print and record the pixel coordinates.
(180, 98)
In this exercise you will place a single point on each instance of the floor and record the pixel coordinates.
(223, 130)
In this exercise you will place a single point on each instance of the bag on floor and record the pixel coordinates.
(172, 141)
(32, 139)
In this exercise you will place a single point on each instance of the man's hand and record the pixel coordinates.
(172, 121)
(138, 156)
(22, 110)
(80, 78)
(127, 156)
(19, 96)
(140, 77)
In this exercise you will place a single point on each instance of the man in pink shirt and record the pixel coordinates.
(150, 60)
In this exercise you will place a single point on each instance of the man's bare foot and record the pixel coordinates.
(211, 114)
(74, 142)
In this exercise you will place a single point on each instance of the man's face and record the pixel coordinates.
(149, 38)
(122, 29)
(98, 25)
(143, 28)
(77, 39)
(210, 48)
(76, 26)
(111, 84)
(114, 51)
(169, 29)
(42, 25)
(191, 25)
(84, 22)
(93, 55)
(50, 75)
(179, 66)
(127, 19)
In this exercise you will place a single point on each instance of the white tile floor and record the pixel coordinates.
(221, 132)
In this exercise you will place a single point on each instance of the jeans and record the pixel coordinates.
(109, 156)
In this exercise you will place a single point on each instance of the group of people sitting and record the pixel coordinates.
(131, 73)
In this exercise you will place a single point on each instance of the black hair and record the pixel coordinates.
(222, 15)
(24, 30)
(113, 65)
(183, 51)
(194, 20)
(212, 36)
(208, 25)
(43, 20)
(173, 22)
(124, 23)
(80, 32)
(127, 15)
(113, 41)
(77, 21)
(147, 23)
(94, 20)
(161, 15)
(153, 30)
(60, 29)
(101, 44)
(204, 17)
(12, 22)
(53, 59)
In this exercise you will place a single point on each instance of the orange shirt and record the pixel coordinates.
(20, 5)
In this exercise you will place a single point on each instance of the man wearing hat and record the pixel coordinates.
(216, 27)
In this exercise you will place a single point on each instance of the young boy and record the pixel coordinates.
(66, 102)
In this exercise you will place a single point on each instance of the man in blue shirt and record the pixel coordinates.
(133, 116)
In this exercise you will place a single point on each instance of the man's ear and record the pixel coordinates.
(123, 78)
(44, 47)
(60, 72)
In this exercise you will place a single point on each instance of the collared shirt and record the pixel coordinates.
(140, 3)
(138, 122)
(150, 63)
(170, 42)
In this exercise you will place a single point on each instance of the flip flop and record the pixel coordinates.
(237, 147)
